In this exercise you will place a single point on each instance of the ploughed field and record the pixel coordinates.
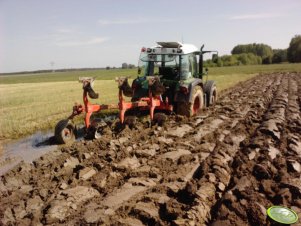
(225, 166)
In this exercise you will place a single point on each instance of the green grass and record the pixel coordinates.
(29, 107)
(226, 77)
(67, 76)
(36, 102)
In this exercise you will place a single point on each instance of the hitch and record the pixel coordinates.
(152, 102)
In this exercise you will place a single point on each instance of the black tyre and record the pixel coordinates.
(192, 108)
(211, 93)
(64, 132)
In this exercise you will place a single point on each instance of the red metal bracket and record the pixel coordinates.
(149, 102)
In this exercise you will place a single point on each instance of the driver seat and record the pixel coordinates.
(168, 73)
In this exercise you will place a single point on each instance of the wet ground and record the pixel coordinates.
(26, 149)
(223, 167)
(32, 147)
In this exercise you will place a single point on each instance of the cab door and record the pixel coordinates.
(193, 67)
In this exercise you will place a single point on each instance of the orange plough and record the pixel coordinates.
(65, 131)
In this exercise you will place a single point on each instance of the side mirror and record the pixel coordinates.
(214, 58)
(139, 70)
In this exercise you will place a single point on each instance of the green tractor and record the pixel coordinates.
(179, 68)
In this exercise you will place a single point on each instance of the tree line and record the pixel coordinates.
(251, 54)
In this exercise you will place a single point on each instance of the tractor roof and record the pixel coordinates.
(186, 48)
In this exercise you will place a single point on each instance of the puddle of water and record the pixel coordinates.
(32, 147)
(26, 149)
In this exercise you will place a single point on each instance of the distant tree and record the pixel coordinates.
(235, 59)
(262, 50)
(108, 67)
(219, 62)
(131, 66)
(124, 66)
(229, 60)
(209, 63)
(267, 60)
(294, 50)
(243, 58)
(248, 59)
(280, 55)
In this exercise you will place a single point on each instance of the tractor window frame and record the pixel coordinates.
(151, 67)
(193, 65)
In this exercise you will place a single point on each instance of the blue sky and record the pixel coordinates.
(100, 33)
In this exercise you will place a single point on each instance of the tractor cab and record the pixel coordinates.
(173, 62)
(169, 61)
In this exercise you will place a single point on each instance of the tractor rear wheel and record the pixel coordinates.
(189, 109)
(64, 132)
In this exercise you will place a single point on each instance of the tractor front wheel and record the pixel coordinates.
(64, 132)
(192, 108)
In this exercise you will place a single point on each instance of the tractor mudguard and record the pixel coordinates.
(196, 82)
(181, 97)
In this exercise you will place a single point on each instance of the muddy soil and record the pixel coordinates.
(225, 166)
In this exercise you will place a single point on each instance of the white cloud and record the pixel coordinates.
(255, 16)
(91, 41)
